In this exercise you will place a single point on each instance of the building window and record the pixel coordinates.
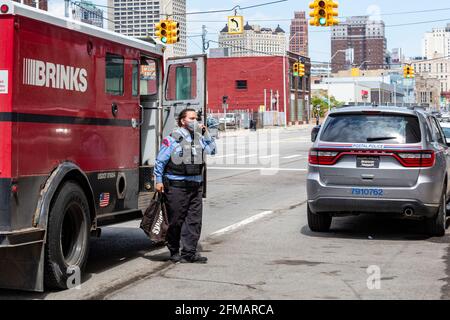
(241, 84)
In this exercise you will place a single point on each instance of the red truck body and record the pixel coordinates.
(73, 107)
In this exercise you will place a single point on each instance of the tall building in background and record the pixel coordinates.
(436, 43)
(87, 12)
(255, 41)
(137, 18)
(298, 42)
(367, 39)
(41, 4)
(397, 56)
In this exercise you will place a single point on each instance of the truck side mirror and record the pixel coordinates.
(314, 133)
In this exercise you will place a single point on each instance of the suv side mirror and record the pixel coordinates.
(314, 133)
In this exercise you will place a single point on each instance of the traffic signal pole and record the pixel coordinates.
(296, 98)
(305, 108)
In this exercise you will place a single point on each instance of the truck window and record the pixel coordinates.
(148, 78)
(135, 78)
(182, 84)
(114, 74)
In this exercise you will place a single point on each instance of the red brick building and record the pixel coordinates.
(252, 83)
(367, 39)
(299, 34)
(43, 5)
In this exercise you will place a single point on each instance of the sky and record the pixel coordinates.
(409, 38)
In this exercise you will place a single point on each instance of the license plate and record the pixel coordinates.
(361, 192)
(368, 162)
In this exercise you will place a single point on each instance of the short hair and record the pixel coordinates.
(183, 114)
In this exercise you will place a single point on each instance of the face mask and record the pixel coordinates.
(192, 125)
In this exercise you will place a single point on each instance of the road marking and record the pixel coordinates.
(247, 156)
(269, 156)
(256, 168)
(242, 223)
(293, 156)
(224, 156)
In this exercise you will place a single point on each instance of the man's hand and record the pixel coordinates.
(160, 187)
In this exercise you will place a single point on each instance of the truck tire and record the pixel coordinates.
(319, 222)
(68, 235)
(436, 226)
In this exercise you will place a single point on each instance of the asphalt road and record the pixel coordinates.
(256, 237)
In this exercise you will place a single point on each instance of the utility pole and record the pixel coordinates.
(296, 98)
(204, 44)
(66, 7)
(305, 109)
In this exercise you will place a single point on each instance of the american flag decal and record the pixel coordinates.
(104, 200)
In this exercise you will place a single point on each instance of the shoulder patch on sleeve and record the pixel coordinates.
(166, 142)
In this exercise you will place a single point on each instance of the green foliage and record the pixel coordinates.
(322, 102)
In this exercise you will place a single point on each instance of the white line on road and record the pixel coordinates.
(269, 156)
(242, 223)
(247, 156)
(293, 156)
(224, 156)
(256, 168)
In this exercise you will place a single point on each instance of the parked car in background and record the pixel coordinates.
(445, 117)
(446, 128)
(213, 127)
(379, 160)
(229, 120)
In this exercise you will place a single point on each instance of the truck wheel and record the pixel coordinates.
(68, 235)
(436, 226)
(318, 222)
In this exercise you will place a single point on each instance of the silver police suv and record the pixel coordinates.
(379, 160)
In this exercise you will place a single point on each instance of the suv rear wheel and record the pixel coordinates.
(436, 226)
(318, 222)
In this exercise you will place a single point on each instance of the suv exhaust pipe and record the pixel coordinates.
(409, 212)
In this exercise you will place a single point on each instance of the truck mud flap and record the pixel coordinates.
(22, 267)
(22, 260)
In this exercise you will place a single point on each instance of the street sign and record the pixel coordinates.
(235, 25)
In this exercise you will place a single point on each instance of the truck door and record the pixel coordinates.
(184, 87)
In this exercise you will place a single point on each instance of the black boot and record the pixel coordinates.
(196, 258)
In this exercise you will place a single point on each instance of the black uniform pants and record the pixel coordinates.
(184, 209)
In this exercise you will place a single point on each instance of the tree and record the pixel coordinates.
(322, 102)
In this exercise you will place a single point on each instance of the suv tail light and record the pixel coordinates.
(323, 157)
(419, 158)
(423, 159)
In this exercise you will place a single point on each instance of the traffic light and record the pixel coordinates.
(173, 35)
(296, 69)
(318, 13)
(161, 30)
(301, 71)
(332, 12)
(408, 72)
(323, 13)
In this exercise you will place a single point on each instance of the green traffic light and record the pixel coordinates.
(322, 21)
(164, 40)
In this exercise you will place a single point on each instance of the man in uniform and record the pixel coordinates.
(179, 175)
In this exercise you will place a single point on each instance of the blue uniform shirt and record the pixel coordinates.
(169, 145)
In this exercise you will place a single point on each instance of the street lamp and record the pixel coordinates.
(356, 82)
(329, 76)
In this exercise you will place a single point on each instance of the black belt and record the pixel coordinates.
(183, 183)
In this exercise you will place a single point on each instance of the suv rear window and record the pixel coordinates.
(364, 128)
